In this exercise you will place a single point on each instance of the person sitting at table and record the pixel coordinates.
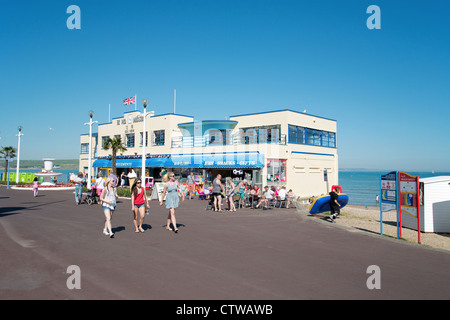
(268, 195)
(256, 193)
(290, 198)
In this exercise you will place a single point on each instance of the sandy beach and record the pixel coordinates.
(367, 219)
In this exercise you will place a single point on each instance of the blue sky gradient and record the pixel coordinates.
(388, 89)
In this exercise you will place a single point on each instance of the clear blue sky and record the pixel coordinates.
(388, 89)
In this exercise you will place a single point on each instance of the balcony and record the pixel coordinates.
(237, 139)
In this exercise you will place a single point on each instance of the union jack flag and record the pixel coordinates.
(129, 101)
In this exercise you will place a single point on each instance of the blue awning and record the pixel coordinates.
(186, 161)
(102, 163)
(157, 162)
(240, 160)
(120, 163)
(219, 160)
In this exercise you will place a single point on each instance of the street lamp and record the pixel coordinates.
(144, 142)
(18, 153)
(90, 123)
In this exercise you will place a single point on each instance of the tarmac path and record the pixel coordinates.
(277, 254)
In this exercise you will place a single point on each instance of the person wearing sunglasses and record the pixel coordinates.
(139, 204)
(172, 200)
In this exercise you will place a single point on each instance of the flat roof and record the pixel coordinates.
(206, 122)
(281, 110)
(435, 179)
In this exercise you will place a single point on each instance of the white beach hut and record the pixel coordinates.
(435, 210)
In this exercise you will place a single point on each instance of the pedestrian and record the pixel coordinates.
(241, 192)
(139, 204)
(230, 189)
(35, 186)
(108, 198)
(171, 188)
(79, 182)
(334, 204)
(99, 184)
(191, 184)
(216, 191)
(122, 179)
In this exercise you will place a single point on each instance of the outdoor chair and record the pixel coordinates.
(281, 201)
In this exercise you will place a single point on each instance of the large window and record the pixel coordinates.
(312, 137)
(263, 134)
(276, 170)
(158, 137)
(130, 140)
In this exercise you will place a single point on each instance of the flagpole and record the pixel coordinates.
(109, 113)
(135, 102)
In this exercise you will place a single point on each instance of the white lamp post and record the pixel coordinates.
(144, 142)
(18, 153)
(90, 123)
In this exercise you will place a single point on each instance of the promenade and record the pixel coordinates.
(274, 254)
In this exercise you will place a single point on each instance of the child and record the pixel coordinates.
(35, 186)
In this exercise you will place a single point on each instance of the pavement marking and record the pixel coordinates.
(14, 235)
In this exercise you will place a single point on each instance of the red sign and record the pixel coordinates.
(408, 197)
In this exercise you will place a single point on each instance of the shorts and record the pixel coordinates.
(241, 195)
(137, 206)
(190, 187)
(108, 206)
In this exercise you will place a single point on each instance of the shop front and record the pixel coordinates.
(238, 166)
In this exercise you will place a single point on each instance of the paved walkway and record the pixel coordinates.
(251, 254)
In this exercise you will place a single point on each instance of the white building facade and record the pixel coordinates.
(281, 147)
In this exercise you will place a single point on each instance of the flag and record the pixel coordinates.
(129, 101)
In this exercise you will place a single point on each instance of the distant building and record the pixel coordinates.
(282, 147)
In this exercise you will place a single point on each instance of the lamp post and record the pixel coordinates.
(7, 175)
(90, 123)
(18, 153)
(144, 142)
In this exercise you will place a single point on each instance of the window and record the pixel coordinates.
(293, 137)
(130, 140)
(158, 137)
(263, 134)
(104, 138)
(218, 137)
(311, 137)
(85, 148)
(142, 140)
(276, 170)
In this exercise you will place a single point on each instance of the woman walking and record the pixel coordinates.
(139, 204)
(230, 189)
(172, 200)
(79, 182)
(108, 198)
(35, 186)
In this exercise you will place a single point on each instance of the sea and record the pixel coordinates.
(362, 187)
